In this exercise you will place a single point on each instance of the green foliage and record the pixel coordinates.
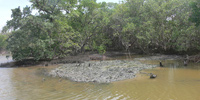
(3, 42)
(16, 17)
(101, 49)
(68, 27)
(32, 40)
(195, 12)
(154, 26)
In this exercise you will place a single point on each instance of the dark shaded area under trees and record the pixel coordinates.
(70, 27)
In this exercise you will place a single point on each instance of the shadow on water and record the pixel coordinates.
(174, 82)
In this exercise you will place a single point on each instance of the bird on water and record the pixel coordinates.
(161, 65)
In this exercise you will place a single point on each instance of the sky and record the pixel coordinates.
(7, 5)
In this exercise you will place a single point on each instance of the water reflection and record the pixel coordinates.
(6, 89)
(174, 81)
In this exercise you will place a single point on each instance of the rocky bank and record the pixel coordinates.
(100, 71)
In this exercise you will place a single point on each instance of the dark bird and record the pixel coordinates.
(153, 75)
(161, 65)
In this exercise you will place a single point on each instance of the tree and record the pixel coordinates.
(45, 36)
(195, 12)
(3, 42)
(69, 27)
(32, 40)
(16, 17)
(86, 23)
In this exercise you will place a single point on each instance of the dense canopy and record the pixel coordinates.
(68, 27)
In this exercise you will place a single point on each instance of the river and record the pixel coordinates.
(173, 82)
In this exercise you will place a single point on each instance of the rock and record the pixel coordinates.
(106, 72)
(130, 71)
(46, 64)
(152, 75)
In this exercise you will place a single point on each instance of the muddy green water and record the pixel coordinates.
(174, 82)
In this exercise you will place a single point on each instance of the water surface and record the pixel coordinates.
(174, 82)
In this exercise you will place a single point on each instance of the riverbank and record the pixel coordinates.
(80, 58)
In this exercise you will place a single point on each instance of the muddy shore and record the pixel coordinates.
(69, 59)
